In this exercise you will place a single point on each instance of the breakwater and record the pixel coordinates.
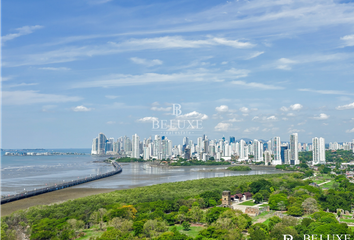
(26, 194)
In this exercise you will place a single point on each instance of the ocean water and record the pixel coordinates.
(29, 172)
(19, 173)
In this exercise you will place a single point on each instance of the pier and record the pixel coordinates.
(26, 194)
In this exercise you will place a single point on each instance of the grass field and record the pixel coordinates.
(347, 220)
(193, 232)
(90, 233)
(262, 215)
(328, 185)
(248, 203)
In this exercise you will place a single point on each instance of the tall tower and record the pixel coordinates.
(258, 151)
(226, 199)
(101, 144)
(294, 159)
(276, 151)
(135, 146)
(94, 149)
(318, 151)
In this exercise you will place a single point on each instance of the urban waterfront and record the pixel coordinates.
(29, 172)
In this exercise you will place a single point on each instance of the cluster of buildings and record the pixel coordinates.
(272, 152)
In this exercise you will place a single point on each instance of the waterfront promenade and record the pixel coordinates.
(26, 194)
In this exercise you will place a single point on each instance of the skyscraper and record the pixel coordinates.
(101, 144)
(276, 151)
(135, 146)
(318, 151)
(94, 149)
(258, 151)
(294, 159)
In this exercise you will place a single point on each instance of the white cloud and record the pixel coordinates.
(3, 79)
(222, 109)
(285, 63)
(111, 96)
(252, 129)
(223, 127)
(292, 130)
(81, 109)
(55, 68)
(235, 120)
(296, 106)
(111, 122)
(198, 75)
(322, 116)
(161, 109)
(284, 109)
(223, 63)
(350, 130)
(345, 107)
(21, 85)
(194, 115)
(148, 119)
(254, 55)
(284, 67)
(272, 118)
(255, 118)
(244, 110)
(329, 92)
(349, 40)
(148, 63)
(257, 85)
(290, 114)
(32, 97)
(20, 32)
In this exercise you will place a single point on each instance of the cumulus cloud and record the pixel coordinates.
(244, 110)
(350, 130)
(161, 109)
(348, 40)
(284, 109)
(272, 118)
(235, 120)
(147, 119)
(223, 127)
(252, 129)
(296, 106)
(194, 115)
(222, 109)
(345, 107)
(148, 63)
(322, 116)
(81, 109)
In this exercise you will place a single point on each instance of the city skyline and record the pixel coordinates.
(249, 69)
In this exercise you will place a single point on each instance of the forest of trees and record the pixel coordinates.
(148, 212)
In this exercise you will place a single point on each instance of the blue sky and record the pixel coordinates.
(255, 69)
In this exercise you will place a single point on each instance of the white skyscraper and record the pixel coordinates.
(267, 157)
(276, 151)
(135, 146)
(294, 159)
(101, 144)
(318, 151)
(241, 150)
(94, 149)
(258, 150)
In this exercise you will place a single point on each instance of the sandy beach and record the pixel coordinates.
(51, 198)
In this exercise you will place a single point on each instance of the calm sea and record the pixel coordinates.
(29, 172)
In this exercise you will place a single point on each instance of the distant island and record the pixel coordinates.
(239, 168)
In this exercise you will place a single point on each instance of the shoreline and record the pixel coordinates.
(50, 198)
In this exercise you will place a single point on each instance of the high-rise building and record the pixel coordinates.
(241, 150)
(267, 157)
(101, 144)
(276, 151)
(257, 151)
(232, 140)
(94, 149)
(135, 146)
(318, 151)
(294, 159)
(284, 154)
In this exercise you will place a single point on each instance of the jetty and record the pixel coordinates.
(55, 187)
